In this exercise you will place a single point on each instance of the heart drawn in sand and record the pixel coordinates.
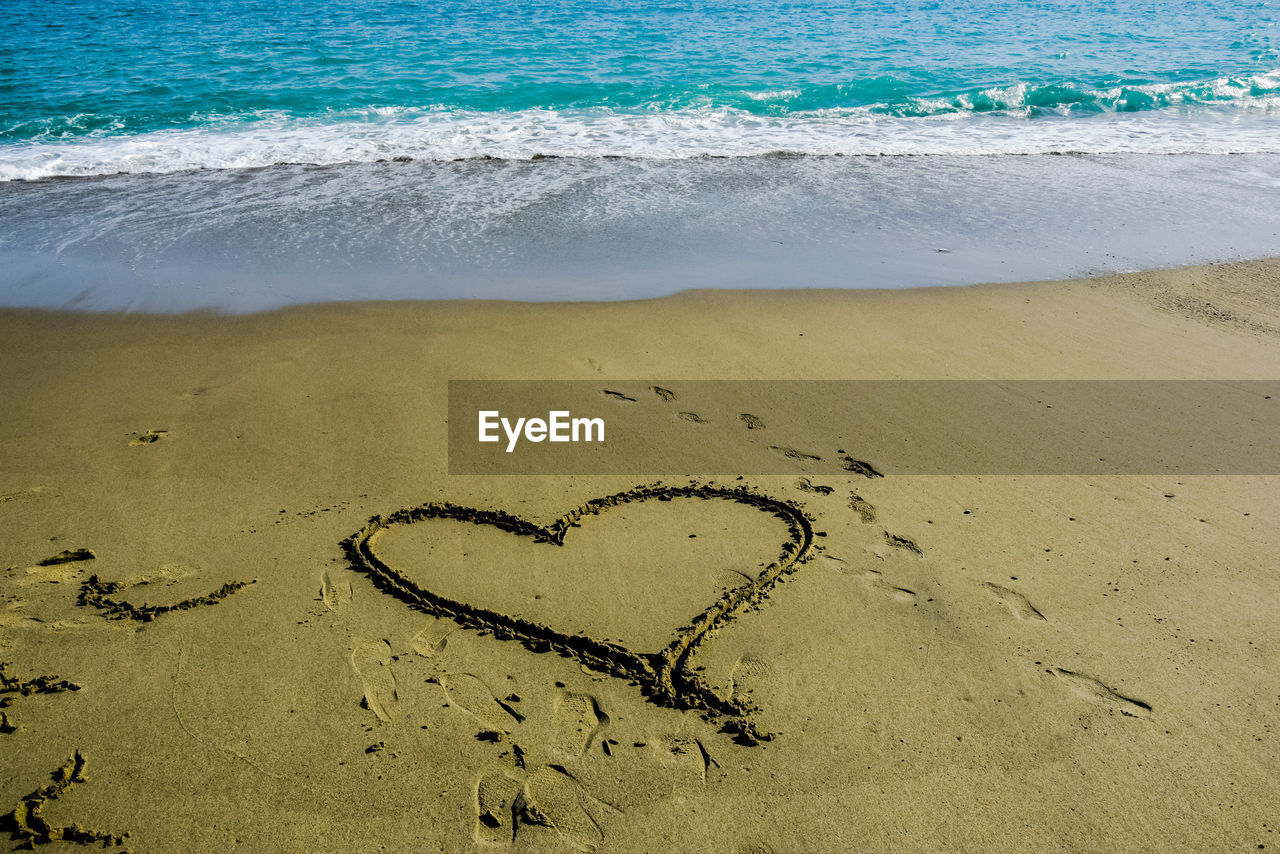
(665, 675)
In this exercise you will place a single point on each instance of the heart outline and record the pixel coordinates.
(664, 676)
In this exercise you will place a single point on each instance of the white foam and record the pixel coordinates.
(596, 228)
(1249, 125)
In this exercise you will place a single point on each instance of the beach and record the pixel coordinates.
(945, 662)
(563, 426)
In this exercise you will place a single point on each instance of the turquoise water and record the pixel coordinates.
(166, 155)
(103, 86)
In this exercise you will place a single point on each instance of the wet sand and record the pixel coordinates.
(239, 659)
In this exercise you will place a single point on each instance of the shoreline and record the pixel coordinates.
(498, 160)
(1206, 292)
(564, 230)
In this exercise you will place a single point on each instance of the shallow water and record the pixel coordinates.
(592, 229)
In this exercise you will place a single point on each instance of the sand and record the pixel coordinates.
(241, 660)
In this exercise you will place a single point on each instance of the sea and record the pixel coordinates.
(244, 155)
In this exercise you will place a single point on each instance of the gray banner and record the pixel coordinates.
(864, 427)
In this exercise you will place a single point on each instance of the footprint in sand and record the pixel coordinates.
(691, 417)
(149, 437)
(617, 395)
(372, 663)
(665, 393)
(432, 640)
(865, 509)
(553, 798)
(64, 566)
(861, 467)
(792, 454)
(875, 579)
(805, 485)
(335, 590)
(1094, 691)
(1017, 604)
(744, 671)
(685, 755)
(508, 806)
(469, 693)
(579, 722)
(753, 422)
(68, 556)
(494, 801)
(20, 494)
(904, 543)
(833, 563)
(541, 804)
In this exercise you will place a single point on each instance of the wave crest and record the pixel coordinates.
(1223, 115)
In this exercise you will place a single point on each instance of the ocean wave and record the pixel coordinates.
(1066, 99)
(990, 122)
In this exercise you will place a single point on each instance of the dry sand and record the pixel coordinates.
(1066, 663)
